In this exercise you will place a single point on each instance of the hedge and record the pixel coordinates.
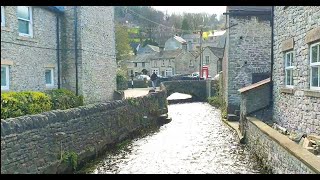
(15, 104)
(64, 99)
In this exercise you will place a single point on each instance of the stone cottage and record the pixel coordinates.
(247, 55)
(212, 58)
(59, 47)
(139, 64)
(296, 74)
(148, 49)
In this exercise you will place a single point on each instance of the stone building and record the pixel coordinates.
(212, 58)
(247, 55)
(175, 42)
(139, 64)
(39, 50)
(296, 74)
(148, 49)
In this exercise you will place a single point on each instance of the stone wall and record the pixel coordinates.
(35, 143)
(249, 51)
(277, 152)
(296, 109)
(28, 57)
(96, 52)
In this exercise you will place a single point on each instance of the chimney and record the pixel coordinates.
(161, 48)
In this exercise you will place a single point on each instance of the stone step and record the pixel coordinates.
(233, 117)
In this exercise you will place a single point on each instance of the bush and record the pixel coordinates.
(64, 99)
(121, 81)
(15, 104)
(215, 101)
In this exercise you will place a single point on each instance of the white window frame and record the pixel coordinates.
(7, 78)
(169, 63)
(52, 77)
(156, 70)
(30, 23)
(3, 19)
(291, 67)
(162, 64)
(207, 63)
(168, 70)
(316, 64)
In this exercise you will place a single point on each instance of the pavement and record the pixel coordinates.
(235, 126)
(137, 92)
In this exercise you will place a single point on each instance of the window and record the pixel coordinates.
(207, 60)
(135, 64)
(25, 20)
(4, 77)
(315, 66)
(190, 63)
(162, 63)
(155, 71)
(195, 40)
(143, 64)
(289, 69)
(2, 16)
(49, 77)
(169, 63)
(168, 72)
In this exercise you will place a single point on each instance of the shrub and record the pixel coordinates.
(121, 81)
(15, 104)
(64, 99)
(215, 101)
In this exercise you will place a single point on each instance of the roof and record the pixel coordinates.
(142, 58)
(191, 36)
(194, 53)
(56, 9)
(180, 39)
(168, 54)
(217, 51)
(154, 48)
(249, 8)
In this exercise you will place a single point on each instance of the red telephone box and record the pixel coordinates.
(205, 72)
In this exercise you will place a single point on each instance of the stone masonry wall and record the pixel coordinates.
(295, 111)
(249, 51)
(274, 156)
(28, 57)
(35, 143)
(96, 53)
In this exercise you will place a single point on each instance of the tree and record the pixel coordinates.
(185, 24)
(123, 49)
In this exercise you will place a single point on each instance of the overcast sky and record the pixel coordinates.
(192, 9)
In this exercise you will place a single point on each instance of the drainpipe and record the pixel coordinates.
(58, 50)
(76, 46)
(272, 58)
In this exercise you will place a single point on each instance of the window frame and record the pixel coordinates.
(143, 64)
(168, 70)
(207, 62)
(30, 23)
(135, 64)
(52, 77)
(162, 63)
(316, 64)
(3, 18)
(7, 87)
(191, 63)
(286, 68)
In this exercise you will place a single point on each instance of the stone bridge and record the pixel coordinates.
(199, 89)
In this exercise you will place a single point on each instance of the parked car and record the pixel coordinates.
(142, 77)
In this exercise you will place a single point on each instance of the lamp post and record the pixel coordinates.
(200, 62)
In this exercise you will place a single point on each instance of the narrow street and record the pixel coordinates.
(195, 141)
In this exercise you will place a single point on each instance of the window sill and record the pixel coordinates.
(287, 90)
(26, 38)
(312, 93)
(4, 28)
(6, 62)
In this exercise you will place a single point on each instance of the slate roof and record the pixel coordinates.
(154, 48)
(217, 51)
(249, 8)
(168, 54)
(56, 9)
(143, 57)
(180, 39)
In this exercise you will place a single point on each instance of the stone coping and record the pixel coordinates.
(287, 90)
(255, 85)
(312, 93)
(300, 153)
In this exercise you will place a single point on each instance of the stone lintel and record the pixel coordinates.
(287, 44)
(313, 35)
(287, 90)
(6, 62)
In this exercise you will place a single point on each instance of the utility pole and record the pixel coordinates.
(200, 62)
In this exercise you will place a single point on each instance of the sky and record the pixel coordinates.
(192, 9)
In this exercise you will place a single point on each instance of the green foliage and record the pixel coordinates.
(150, 42)
(70, 158)
(185, 25)
(64, 99)
(123, 48)
(122, 80)
(133, 101)
(14, 104)
(215, 101)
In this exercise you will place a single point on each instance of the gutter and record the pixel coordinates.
(76, 46)
(272, 58)
(58, 50)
